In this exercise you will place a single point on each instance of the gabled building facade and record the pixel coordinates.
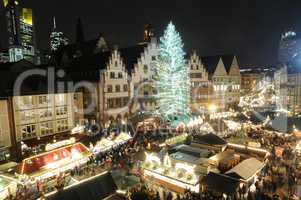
(215, 81)
(114, 86)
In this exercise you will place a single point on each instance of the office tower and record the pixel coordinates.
(57, 38)
(20, 28)
(287, 47)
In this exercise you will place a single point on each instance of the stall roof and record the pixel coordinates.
(96, 188)
(185, 158)
(41, 162)
(223, 156)
(197, 152)
(210, 139)
(245, 169)
(220, 183)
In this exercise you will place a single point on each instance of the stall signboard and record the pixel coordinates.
(59, 144)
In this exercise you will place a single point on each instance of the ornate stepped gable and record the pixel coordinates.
(197, 70)
(143, 67)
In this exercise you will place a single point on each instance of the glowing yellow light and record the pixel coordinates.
(26, 16)
(212, 107)
(5, 2)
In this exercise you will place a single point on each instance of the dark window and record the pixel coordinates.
(125, 87)
(118, 102)
(145, 69)
(112, 75)
(119, 74)
(153, 57)
(110, 88)
(117, 88)
(110, 103)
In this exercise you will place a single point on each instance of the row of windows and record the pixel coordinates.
(45, 128)
(225, 87)
(28, 102)
(117, 102)
(43, 114)
(117, 88)
(222, 79)
(197, 67)
(119, 75)
(196, 75)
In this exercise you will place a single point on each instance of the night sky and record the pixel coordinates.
(249, 28)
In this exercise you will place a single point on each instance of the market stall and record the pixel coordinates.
(177, 177)
(103, 145)
(122, 138)
(47, 166)
(106, 144)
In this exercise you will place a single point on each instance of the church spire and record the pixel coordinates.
(79, 31)
(148, 33)
(54, 24)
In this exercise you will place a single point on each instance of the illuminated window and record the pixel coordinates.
(60, 99)
(25, 102)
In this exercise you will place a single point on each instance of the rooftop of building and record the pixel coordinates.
(210, 62)
(209, 139)
(246, 169)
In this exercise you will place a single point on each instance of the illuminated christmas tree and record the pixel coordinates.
(172, 78)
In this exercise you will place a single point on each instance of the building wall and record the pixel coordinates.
(200, 87)
(288, 90)
(43, 115)
(249, 81)
(226, 86)
(114, 90)
(142, 79)
(5, 140)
